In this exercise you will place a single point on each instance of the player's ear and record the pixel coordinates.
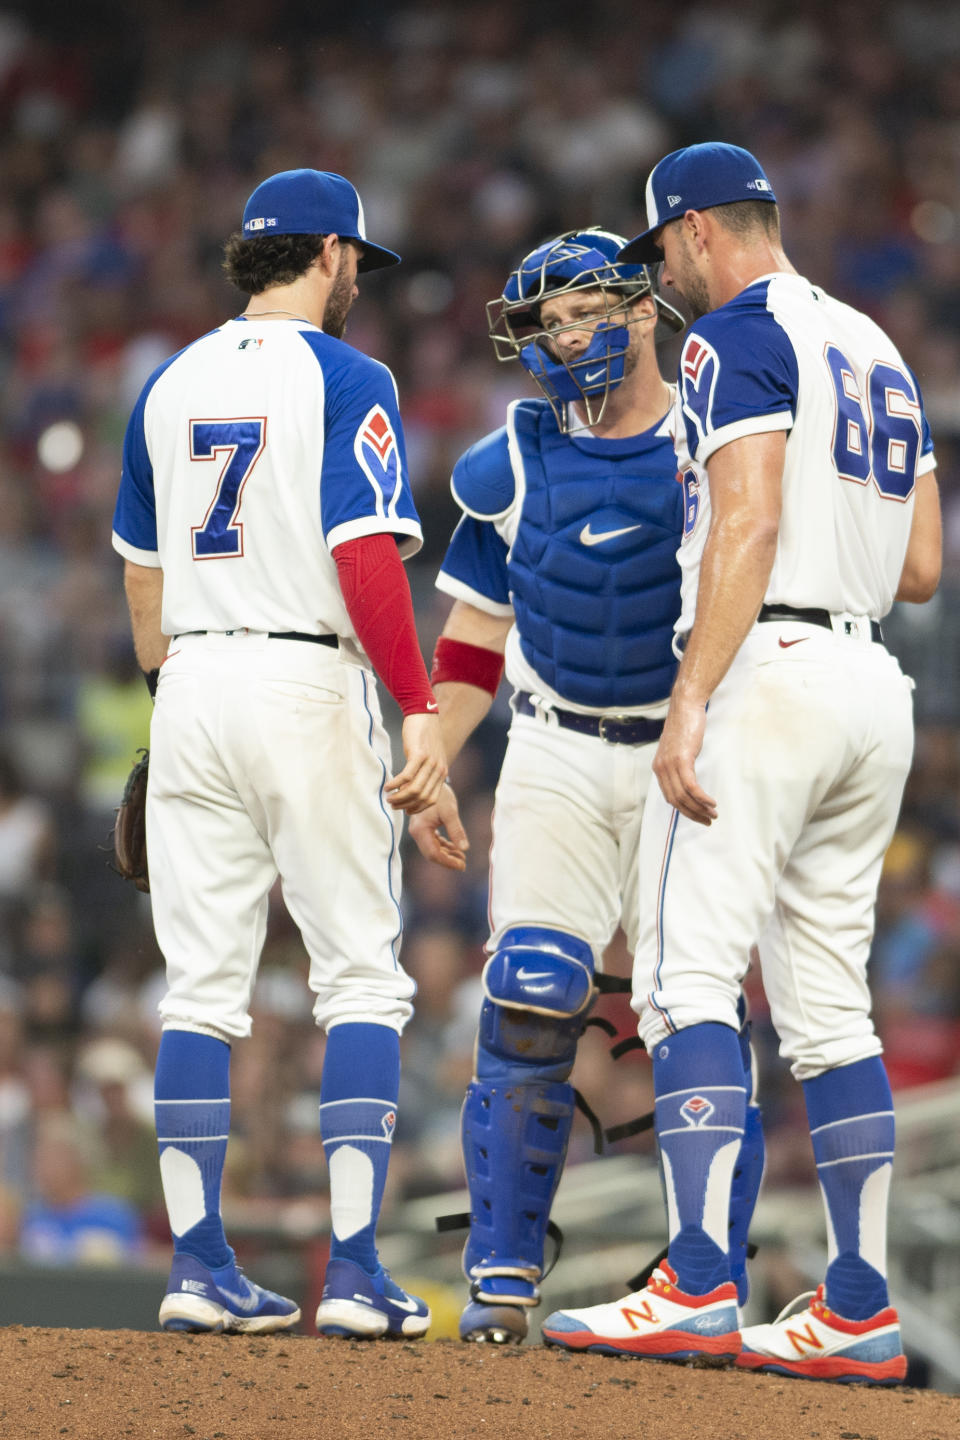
(329, 258)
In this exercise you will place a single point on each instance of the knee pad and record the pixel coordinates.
(538, 990)
(515, 1139)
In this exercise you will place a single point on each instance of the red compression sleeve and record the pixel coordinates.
(378, 601)
(457, 660)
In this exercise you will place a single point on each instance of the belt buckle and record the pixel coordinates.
(610, 720)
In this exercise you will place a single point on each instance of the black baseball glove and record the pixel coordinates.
(130, 826)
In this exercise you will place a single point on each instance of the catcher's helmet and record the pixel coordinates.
(578, 260)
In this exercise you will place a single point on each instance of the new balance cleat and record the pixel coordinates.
(358, 1306)
(818, 1344)
(660, 1322)
(222, 1300)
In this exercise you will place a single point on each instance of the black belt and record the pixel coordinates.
(615, 729)
(271, 635)
(814, 617)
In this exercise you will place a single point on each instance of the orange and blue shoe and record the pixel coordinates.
(661, 1322)
(819, 1344)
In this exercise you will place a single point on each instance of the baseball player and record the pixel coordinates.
(565, 563)
(810, 506)
(264, 508)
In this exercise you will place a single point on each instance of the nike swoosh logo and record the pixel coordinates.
(597, 537)
(242, 1302)
(533, 974)
(410, 1305)
(432, 707)
(590, 375)
(785, 644)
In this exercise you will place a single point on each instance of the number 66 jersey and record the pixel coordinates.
(783, 355)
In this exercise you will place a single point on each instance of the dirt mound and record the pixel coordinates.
(107, 1384)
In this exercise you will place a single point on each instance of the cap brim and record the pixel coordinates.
(641, 250)
(374, 257)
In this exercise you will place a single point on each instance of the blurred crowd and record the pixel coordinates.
(129, 139)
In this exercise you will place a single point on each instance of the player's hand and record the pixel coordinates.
(420, 781)
(676, 755)
(427, 829)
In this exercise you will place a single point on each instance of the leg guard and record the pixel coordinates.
(514, 1144)
(747, 1173)
(519, 1110)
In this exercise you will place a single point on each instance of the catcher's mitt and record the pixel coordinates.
(130, 826)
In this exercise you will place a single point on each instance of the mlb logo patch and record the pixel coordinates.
(696, 1110)
(252, 342)
(388, 1124)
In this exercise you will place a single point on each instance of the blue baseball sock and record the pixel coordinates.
(747, 1174)
(358, 1113)
(192, 1110)
(850, 1110)
(700, 1103)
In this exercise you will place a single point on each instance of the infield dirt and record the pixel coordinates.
(108, 1384)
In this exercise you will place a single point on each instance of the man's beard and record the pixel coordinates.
(691, 286)
(338, 303)
(695, 294)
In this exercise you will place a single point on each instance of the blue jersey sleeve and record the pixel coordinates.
(475, 567)
(135, 514)
(364, 484)
(738, 375)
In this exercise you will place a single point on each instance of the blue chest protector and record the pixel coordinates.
(593, 573)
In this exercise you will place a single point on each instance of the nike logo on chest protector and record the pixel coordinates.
(591, 537)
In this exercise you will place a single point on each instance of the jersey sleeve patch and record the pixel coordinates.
(738, 375)
(378, 455)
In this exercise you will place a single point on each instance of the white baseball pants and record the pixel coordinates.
(269, 757)
(806, 752)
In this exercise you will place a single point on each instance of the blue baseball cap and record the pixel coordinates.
(696, 178)
(312, 202)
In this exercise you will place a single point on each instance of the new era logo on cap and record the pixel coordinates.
(312, 202)
(696, 178)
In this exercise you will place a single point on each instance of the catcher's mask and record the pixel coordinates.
(578, 260)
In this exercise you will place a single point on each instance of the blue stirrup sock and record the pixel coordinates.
(358, 1114)
(698, 1079)
(747, 1172)
(850, 1110)
(192, 1112)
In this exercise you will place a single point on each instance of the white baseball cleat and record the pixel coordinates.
(818, 1344)
(660, 1322)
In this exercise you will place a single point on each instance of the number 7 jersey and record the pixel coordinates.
(783, 355)
(248, 458)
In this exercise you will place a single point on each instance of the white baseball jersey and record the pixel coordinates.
(783, 355)
(808, 736)
(249, 456)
